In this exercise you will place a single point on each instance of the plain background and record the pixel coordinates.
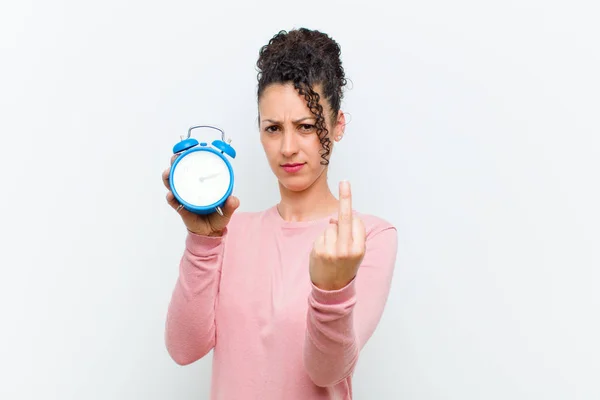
(474, 129)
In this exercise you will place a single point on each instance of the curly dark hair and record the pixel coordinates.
(305, 58)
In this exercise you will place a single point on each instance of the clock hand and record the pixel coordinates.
(202, 178)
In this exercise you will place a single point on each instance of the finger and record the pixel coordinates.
(165, 178)
(172, 200)
(319, 244)
(331, 238)
(345, 216)
(231, 204)
(359, 236)
(167, 172)
(176, 205)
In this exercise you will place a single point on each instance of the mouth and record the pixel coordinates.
(292, 167)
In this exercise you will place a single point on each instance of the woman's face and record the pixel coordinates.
(289, 136)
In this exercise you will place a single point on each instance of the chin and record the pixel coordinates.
(295, 184)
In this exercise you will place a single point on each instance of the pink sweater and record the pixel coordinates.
(248, 297)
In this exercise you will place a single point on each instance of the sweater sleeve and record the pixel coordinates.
(190, 323)
(340, 322)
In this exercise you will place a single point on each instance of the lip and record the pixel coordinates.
(292, 167)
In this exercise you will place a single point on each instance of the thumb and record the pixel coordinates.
(231, 204)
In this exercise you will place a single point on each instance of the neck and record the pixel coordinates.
(316, 201)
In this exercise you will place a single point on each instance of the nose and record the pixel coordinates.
(289, 147)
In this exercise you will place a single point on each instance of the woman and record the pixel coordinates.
(286, 297)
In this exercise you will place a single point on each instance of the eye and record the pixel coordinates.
(307, 127)
(271, 129)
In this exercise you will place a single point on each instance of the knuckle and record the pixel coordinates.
(345, 216)
(343, 254)
(358, 253)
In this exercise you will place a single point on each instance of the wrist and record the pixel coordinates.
(334, 284)
(209, 234)
(329, 295)
(331, 287)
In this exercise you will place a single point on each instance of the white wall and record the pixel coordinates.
(477, 127)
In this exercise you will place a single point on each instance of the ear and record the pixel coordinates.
(339, 127)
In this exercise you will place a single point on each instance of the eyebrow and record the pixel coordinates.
(295, 122)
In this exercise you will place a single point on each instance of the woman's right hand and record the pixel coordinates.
(205, 225)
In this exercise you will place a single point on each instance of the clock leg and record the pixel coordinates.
(219, 211)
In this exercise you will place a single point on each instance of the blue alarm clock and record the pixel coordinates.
(201, 176)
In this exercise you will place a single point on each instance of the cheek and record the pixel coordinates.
(270, 149)
(312, 146)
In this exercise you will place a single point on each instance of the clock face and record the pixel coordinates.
(201, 178)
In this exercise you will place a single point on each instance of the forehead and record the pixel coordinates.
(284, 100)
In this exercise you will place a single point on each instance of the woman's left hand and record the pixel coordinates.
(338, 252)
